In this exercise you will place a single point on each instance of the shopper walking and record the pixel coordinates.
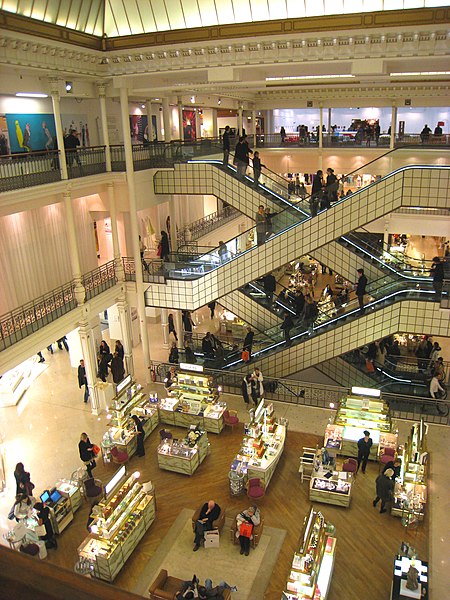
(82, 380)
(246, 388)
(241, 156)
(226, 145)
(23, 480)
(172, 329)
(332, 186)
(259, 380)
(260, 220)
(188, 325)
(310, 313)
(87, 455)
(360, 289)
(364, 446)
(437, 272)
(270, 285)
(164, 246)
(140, 434)
(212, 308)
(245, 523)
(286, 327)
(384, 486)
(174, 355)
(257, 166)
(436, 390)
(269, 225)
(117, 368)
(104, 349)
(282, 134)
(63, 342)
(248, 343)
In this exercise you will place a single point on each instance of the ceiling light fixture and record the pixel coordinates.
(421, 73)
(31, 95)
(68, 87)
(219, 101)
(142, 105)
(305, 77)
(192, 99)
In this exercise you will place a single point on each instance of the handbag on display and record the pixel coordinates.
(246, 529)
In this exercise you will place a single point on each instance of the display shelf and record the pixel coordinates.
(336, 489)
(399, 590)
(312, 566)
(70, 490)
(183, 456)
(118, 526)
(61, 514)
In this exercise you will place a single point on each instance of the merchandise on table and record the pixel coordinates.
(193, 400)
(362, 410)
(402, 565)
(119, 524)
(183, 456)
(262, 445)
(130, 400)
(334, 488)
(312, 566)
(410, 491)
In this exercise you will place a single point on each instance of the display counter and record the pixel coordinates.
(262, 446)
(399, 590)
(336, 488)
(130, 400)
(410, 491)
(183, 456)
(118, 526)
(312, 567)
(356, 414)
(70, 490)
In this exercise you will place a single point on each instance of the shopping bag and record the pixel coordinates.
(246, 530)
(212, 539)
(370, 366)
(96, 450)
(40, 530)
(245, 355)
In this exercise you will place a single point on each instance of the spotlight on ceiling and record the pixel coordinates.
(219, 101)
(69, 87)
(142, 105)
(192, 99)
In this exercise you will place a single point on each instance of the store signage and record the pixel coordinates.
(189, 367)
(119, 475)
(123, 384)
(361, 391)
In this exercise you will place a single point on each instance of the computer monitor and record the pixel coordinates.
(45, 496)
(55, 496)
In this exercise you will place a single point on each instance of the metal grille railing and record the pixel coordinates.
(85, 161)
(152, 271)
(100, 279)
(28, 169)
(29, 318)
(205, 225)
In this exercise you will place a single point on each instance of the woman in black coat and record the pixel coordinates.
(43, 515)
(139, 435)
(117, 368)
(120, 349)
(86, 450)
(165, 250)
(23, 481)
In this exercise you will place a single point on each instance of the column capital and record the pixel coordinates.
(67, 194)
(101, 89)
(110, 185)
(54, 87)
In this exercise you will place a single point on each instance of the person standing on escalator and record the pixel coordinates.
(360, 289)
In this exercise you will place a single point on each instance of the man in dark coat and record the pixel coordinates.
(226, 145)
(82, 379)
(364, 446)
(361, 288)
(437, 271)
(270, 285)
(248, 342)
(384, 486)
(209, 512)
(286, 326)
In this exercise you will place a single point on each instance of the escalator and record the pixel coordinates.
(193, 283)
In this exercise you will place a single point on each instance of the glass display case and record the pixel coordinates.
(331, 487)
(184, 456)
(130, 400)
(262, 445)
(71, 490)
(356, 413)
(312, 566)
(410, 492)
(192, 400)
(402, 565)
(118, 526)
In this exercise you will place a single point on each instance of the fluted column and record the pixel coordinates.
(167, 120)
(178, 328)
(135, 230)
(165, 327)
(393, 126)
(151, 133)
(101, 88)
(180, 118)
(254, 127)
(79, 291)
(321, 127)
(127, 336)
(215, 127)
(115, 233)
(56, 101)
(89, 350)
(240, 125)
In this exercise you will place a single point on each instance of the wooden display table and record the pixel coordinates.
(181, 458)
(264, 468)
(334, 490)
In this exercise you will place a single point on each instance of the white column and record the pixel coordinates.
(320, 127)
(198, 127)
(102, 98)
(89, 351)
(167, 120)
(56, 100)
(165, 327)
(173, 224)
(178, 327)
(151, 134)
(254, 127)
(159, 123)
(80, 292)
(240, 125)
(115, 233)
(393, 126)
(127, 335)
(180, 119)
(135, 231)
(215, 127)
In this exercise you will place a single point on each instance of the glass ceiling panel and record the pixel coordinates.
(122, 17)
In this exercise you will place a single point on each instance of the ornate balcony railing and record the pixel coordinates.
(203, 226)
(29, 318)
(86, 161)
(152, 270)
(100, 279)
(28, 169)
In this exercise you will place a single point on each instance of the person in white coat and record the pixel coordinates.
(258, 377)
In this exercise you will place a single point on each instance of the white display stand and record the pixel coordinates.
(106, 393)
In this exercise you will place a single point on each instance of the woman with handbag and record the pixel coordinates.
(23, 481)
(87, 454)
(246, 521)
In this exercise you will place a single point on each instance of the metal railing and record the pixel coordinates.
(291, 391)
(31, 317)
(347, 139)
(152, 271)
(99, 280)
(82, 162)
(28, 169)
(193, 231)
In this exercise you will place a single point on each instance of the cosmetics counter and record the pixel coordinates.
(183, 456)
(193, 400)
(119, 523)
(362, 410)
(262, 445)
(129, 400)
(312, 567)
(410, 491)
(331, 487)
